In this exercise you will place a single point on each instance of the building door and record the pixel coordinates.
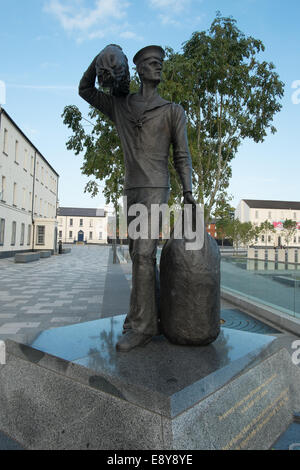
(80, 236)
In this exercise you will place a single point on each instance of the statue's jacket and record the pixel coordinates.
(145, 136)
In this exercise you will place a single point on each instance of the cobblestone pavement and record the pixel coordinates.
(52, 292)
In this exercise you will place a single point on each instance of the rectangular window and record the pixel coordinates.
(35, 204)
(29, 235)
(13, 233)
(22, 234)
(16, 151)
(81, 222)
(37, 171)
(91, 222)
(40, 235)
(25, 159)
(71, 222)
(31, 165)
(91, 235)
(3, 189)
(15, 194)
(100, 235)
(5, 138)
(269, 215)
(2, 231)
(295, 240)
(24, 199)
(269, 238)
(70, 234)
(256, 214)
(295, 215)
(60, 234)
(41, 202)
(60, 221)
(262, 238)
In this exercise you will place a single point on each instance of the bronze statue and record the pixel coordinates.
(147, 125)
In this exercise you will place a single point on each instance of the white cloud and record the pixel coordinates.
(104, 17)
(172, 5)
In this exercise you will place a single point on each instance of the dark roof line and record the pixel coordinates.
(2, 110)
(266, 204)
(81, 212)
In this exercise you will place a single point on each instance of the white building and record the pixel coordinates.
(28, 193)
(78, 224)
(276, 212)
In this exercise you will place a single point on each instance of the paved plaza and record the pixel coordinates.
(80, 286)
(51, 292)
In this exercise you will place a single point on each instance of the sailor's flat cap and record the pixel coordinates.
(147, 52)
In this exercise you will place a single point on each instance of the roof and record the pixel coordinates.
(2, 110)
(81, 212)
(260, 204)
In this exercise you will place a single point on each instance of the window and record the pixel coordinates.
(60, 221)
(269, 238)
(3, 189)
(81, 222)
(35, 204)
(70, 234)
(22, 234)
(71, 222)
(24, 199)
(100, 235)
(5, 141)
(37, 170)
(2, 230)
(91, 235)
(256, 214)
(15, 194)
(31, 165)
(262, 238)
(16, 151)
(295, 240)
(25, 159)
(29, 235)
(41, 202)
(269, 215)
(42, 174)
(60, 234)
(295, 215)
(91, 222)
(30, 201)
(13, 233)
(40, 235)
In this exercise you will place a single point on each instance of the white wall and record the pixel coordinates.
(95, 225)
(19, 188)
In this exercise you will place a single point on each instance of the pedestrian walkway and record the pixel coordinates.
(51, 292)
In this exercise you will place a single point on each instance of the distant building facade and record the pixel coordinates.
(276, 212)
(79, 224)
(28, 193)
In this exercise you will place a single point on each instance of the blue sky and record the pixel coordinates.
(45, 45)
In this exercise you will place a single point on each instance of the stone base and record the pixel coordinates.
(68, 388)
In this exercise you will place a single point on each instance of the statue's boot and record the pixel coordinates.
(131, 339)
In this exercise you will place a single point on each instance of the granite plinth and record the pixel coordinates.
(79, 390)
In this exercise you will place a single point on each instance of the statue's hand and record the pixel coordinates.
(188, 198)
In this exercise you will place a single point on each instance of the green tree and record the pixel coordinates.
(289, 229)
(228, 95)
